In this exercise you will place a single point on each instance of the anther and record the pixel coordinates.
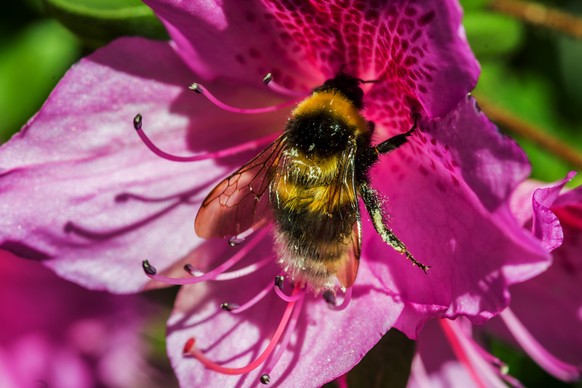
(229, 306)
(137, 122)
(265, 379)
(196, 88)
(329, 297)
(192, 271)
(268, 78)
(188, 345)
(148, 268)
(279, 280)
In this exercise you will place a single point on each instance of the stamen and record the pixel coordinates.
(148, 268)
(229, 306)
(191, 350)
(284, 341)
(192, 270)
(342, 381)
(460, 351)
(200, 89)
(240, 238)
(288, 298)
(245, 271)
(250, 145)
(268, 80)
(279, 281)
(232, 274)
(257, 298)
(330, 298)
(211, 275)
(537, 352)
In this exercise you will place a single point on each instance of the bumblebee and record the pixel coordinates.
(308, 181)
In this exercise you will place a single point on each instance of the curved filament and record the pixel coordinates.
(211, 275)
(198, 88)
(231, 151)
(257, 298)
(289, 298)
(285, 340)
(545, 359)
(191, 349)
(345, 302)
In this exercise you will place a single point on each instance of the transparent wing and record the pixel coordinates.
(345, 188)
(239, 203)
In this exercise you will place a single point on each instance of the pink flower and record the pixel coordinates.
(91, 201)
(543, 317)
(57, 334)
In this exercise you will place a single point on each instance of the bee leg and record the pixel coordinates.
(396, 141)
(372, 202)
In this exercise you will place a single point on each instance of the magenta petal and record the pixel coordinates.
(63, 335)
(545, 224)
(556, 293)
(325, 344)
(448, 195)
(87, 196)
(530, 204)
(235, 40)
(414, 50)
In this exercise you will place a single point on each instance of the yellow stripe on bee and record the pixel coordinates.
(311, 170)
(315, 199)
(336, 104)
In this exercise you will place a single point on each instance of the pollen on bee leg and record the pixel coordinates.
(151, 271)
(200, 89)
(191, 350)
(250, 145)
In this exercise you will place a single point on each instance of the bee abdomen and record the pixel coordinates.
(317, 235)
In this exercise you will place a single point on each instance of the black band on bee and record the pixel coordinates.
(346, 85)
(319, 133)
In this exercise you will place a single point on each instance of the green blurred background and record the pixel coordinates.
(531, 74)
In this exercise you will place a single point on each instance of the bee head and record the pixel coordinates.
(347, 85)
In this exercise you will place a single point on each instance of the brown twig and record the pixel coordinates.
(540, 15)
(537, 135)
